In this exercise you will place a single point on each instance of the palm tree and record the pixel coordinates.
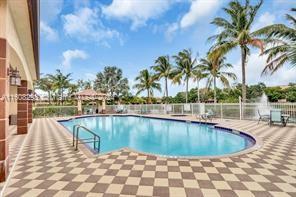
(72, 89)
(82, 85)
(184, 70)
(111, 81)
(147, 82)
(45, 84)
(60, 82)
(282, 42)
(163, 69)
(236, 32)
(214, 70)
(198, 75)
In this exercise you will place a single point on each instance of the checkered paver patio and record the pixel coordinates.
(49, 166)
(15, 143)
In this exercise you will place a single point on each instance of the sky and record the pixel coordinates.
(83, 36)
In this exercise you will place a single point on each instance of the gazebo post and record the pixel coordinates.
(103, 105)
(92, 95)
(97, 107)
(79, 106)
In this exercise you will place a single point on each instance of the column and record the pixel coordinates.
(22, 108)
(30, 101)
(4, 91)
(79, 107)
(103, 106)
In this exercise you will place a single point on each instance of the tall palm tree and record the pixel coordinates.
(236, 32)
(147, 82)
(163, 69)
(198, 75)
(282, 42)
(215, 70)
(185, 66)
(60, 82)
(45, 84)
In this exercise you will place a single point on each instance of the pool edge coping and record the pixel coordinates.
(87, 150)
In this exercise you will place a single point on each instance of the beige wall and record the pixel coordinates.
(12, 104)
(3, 6)
(17, 55)
(20, 45)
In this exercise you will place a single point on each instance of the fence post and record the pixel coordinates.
(221, 110)
(191, 109)
(182, 106)
(240, 107)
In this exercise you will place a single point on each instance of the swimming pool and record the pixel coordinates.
(161, 136)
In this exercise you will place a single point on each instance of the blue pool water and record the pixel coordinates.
(161, 137)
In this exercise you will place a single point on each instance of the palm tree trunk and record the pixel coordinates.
(215, 94)
(198, 95)
(166, 90)
(187, 79)
(148, 96)
(49, 97)
(62, 95)
(244, 89)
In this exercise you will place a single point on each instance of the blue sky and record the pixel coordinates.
(84, 36)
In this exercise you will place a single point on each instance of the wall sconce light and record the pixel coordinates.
(14, 77)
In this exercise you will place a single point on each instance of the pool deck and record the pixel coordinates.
(49, 166)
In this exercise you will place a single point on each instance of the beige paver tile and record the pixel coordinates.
(133, 181)
(63, 194)
(145, 191)
(59, 185)
(177, 191)
(253, 186)
(209, 192)
(221, 185)
(244, 193)
(286, 187)
(161, 182)
(85, 187)
(190, 183)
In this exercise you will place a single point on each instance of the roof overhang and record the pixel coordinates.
(25, 15)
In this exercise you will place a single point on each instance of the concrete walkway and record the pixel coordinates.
(49, 166)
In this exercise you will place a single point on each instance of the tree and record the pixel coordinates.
(255, 91)
(184, 70)
(214, 71)
(282, 42)
(83, 85)
(112, 82)
(146, 82)
(236, 32)
(163, 69)
(198, 75)
(60, 82)
(45, 84)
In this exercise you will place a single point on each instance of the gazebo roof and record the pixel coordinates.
(90, 94)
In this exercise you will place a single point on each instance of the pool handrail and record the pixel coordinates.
(96, 138)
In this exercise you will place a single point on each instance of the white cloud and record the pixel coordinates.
(138, 12)
(90, 76)
(265, 19)
(254, 68)
(171, 31)
(48, 32)
(70, 55)
(198, 10)
(50, 9)
(85, 25)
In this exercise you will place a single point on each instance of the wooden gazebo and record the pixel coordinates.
(91, 95)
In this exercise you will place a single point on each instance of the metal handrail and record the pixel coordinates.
(96, 138)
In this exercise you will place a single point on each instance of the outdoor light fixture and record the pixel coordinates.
(14, 77)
